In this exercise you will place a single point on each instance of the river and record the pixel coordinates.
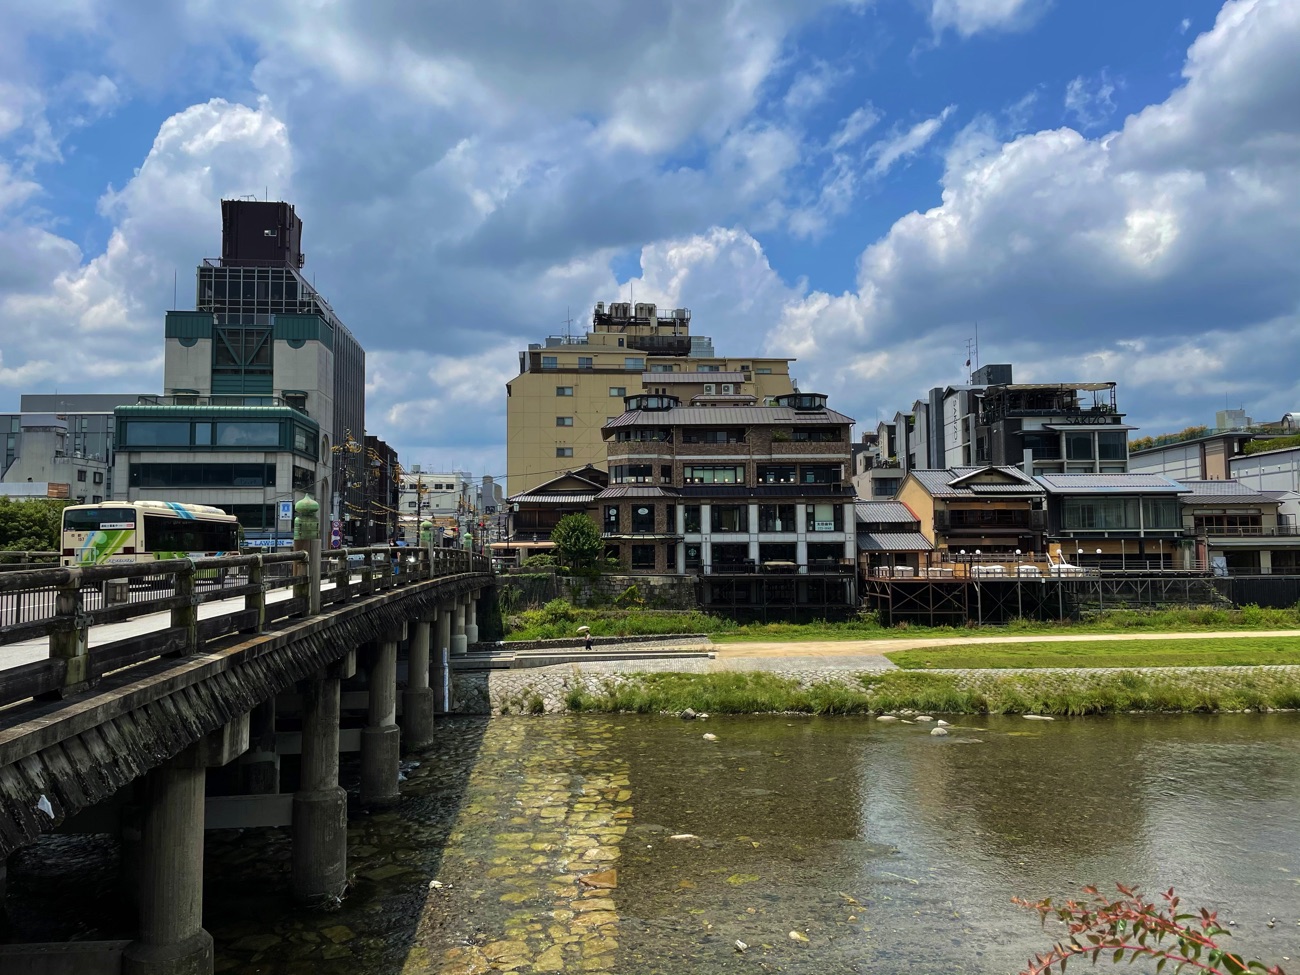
(825, 845)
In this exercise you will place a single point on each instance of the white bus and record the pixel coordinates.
(142, 531)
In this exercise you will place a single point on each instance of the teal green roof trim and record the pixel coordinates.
(189, 325)
(145, 411)
(300, 328)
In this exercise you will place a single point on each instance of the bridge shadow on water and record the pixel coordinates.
(73, 887)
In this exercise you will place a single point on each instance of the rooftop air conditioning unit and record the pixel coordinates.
(709, 388)
(728, 388)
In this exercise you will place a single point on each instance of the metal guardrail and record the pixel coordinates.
(63, 603)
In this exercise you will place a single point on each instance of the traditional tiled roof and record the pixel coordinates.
(1131, 483)
(893, 542)
(635, 491)
(767, 491)
(959, 482)
(884, 512)
(553, 497)
(1224, 492)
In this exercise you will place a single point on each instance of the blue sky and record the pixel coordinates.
(1106, 187)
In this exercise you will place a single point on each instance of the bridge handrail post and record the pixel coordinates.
(313, 577)
(185, 617)
(368, 573)
(70, 638)
(256, 600)
(343, 578)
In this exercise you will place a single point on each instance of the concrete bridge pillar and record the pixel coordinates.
(171, 940)
(320, 807)
(459, 644)
(442, 647)
(259, 767)
(381, 739)
(471, 618)
(418, 698)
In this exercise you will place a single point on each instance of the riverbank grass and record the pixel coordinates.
(1213, 652)
(1055, 693)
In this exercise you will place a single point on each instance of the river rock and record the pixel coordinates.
(886, 717)
(687, 715)
(941, 723)
(1037, 717)
(923, 717)
(740, 945)
(683, 836)
(939, 732)
(709, 736)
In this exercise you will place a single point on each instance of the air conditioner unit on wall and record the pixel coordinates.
(709, 388)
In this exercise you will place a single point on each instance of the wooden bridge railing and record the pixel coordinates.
(63, 604)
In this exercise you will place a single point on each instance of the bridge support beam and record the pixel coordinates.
(459, 645)
(172, 940)
(320, 807)
(259, 767)
(381, 739)
(471, 619)
(418, 698)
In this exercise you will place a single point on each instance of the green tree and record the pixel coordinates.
(577, 541)
(30, 524)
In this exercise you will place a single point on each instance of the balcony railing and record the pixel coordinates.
(1249, 531)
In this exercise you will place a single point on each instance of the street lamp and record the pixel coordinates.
(1101, 586)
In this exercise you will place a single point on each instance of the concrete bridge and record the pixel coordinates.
(122, 686)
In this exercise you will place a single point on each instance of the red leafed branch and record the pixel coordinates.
(1135, 927)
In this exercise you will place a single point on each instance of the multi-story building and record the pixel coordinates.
(964, 510)
(569, 387)
(449, 499)
(262, 381)
(72, 431)
(728, 490)
(383, 491)
(1240, 530)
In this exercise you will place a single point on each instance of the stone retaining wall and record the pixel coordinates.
(569, 643)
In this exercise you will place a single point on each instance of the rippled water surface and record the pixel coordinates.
(881, 848)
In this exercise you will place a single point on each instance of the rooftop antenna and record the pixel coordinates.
(568, 325)
(174, 287)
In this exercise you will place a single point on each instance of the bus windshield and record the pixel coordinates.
(96, 519)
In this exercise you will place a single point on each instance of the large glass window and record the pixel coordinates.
(776, 518)
(184, 475)
(1112, 446)
(643, 519)
(164, 536)
(729, 517)
(631, 474)
(730, 556)
(1100, 514)
(644, 435)
(550, 362)
(823, 554)
(819, 473)
(776, 474)
(691, 516)
(584, 362)
(611, 518)
(778, 552)
(634, 362)
(817, 434)
(729, 435)
(248, 433)
(643, 556)
(1161, 513)
(157, 433)
(1078, 446)
(825, 518)
(1042, 446)
(713, 475)
(303, 478)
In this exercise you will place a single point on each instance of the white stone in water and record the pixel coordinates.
(683, 836)
(887, 717)
(939, 732)
(1037, 717)
(924, 717)
(740, 945)
(709, 736)
(941, 723)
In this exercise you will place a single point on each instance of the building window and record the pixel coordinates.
(634, 363)
(729, 517)
(817, 434)
(611, 518)
(81, 476)
(643, 435)
(97, 499)
(1078, 446)
(1042, 446)
(248, 433)
(691, 514)
(776, 474)
(550, 362)
(618, 391)
(729, 435)
(1112, 446)
(778, 552)
(710, 369)
(1158, 513)
(694, 555)
(201, 475)
(203, 434)
(99, 477)
(643, 556)
(660, 367)
(776, 518)
(304, 479)
(819, 474)
(1100, 514)
(156, 433)
(563, 390)
(643, 519)
(763, 371)
(631, 474)
(713, 475)
(563, 451)
(825, 518)
(564, 421)
(666, 473)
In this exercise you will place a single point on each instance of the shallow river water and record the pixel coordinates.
(826, 845)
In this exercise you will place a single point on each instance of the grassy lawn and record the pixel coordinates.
(1218, 652)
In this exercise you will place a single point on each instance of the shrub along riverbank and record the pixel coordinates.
(1055, 693)
(1243, 651)
(558, 619)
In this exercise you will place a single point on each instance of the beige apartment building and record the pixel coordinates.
(571, 386)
